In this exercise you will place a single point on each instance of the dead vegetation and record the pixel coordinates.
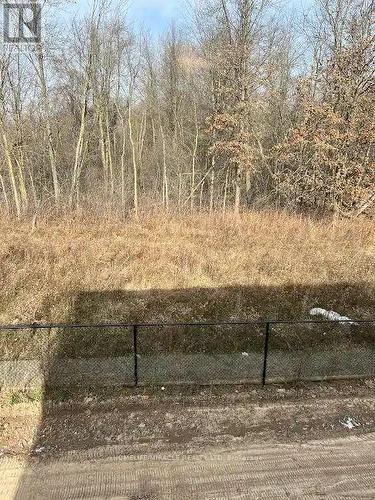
(45, 267)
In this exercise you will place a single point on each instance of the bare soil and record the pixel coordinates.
(175, 419)
(202, 443)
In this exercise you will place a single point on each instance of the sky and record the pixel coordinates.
(154, 15)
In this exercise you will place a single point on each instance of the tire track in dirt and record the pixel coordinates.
(320, 469)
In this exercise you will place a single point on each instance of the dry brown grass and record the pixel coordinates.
(41, 269)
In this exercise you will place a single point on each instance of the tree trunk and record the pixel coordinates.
(165, 174)
(10, 169)
(194, 159)
(237, 196)
(135, 167)
(46, 109)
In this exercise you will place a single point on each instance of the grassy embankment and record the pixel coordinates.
(198, 268)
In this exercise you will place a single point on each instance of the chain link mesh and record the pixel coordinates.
(66, 357)
(200, 354)
(184, 354)
(318, 351)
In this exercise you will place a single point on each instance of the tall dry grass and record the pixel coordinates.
(59, 259)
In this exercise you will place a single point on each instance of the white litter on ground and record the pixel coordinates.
(350, 423)
(39, 450)
(245, 354)
(331, 315)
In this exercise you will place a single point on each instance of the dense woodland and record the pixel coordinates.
(243, 106)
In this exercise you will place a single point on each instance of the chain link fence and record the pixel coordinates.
(321, 350)
(113, 355)
(199, 354)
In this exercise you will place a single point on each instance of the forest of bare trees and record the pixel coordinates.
(241, 107)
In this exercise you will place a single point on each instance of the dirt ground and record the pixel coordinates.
(219, 442)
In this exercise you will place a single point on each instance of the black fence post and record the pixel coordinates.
(265, 353)
(135, 351)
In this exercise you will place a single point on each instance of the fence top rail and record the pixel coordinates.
(47, 326)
